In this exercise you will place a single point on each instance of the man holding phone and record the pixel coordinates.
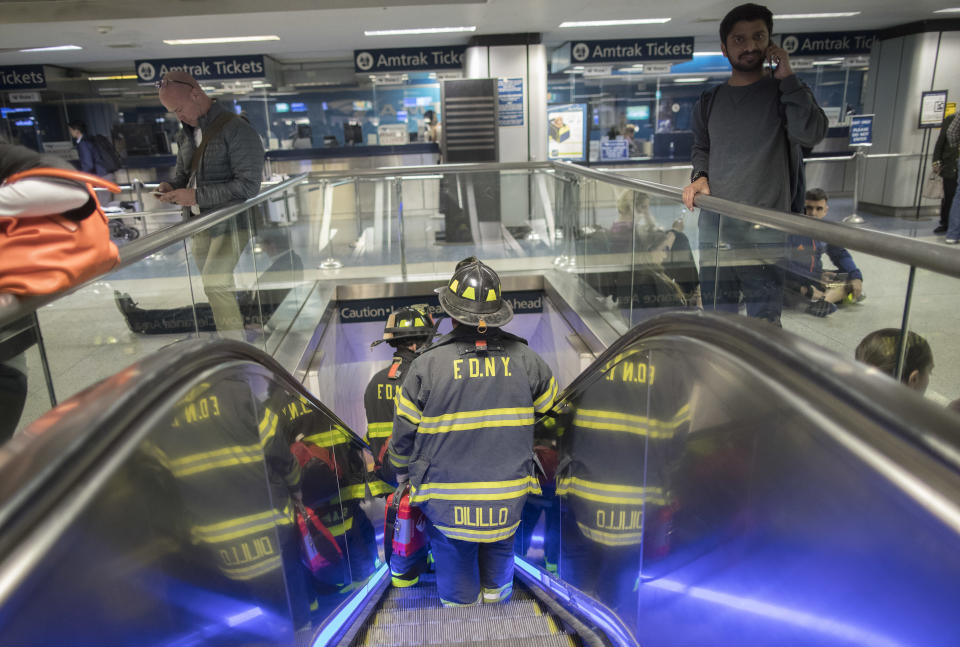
(219, 162)
(748, 136)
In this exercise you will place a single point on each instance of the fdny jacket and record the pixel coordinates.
(618, 448)
(463, 431)
(378, 401)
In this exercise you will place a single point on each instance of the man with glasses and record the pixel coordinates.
(219, 162)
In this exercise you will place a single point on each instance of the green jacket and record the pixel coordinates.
(944, 153)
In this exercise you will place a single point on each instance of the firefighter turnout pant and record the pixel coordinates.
(469, 572)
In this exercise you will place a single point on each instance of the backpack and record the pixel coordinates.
(108, 155)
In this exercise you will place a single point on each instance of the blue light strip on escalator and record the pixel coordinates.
(345, 614)
(600, 614)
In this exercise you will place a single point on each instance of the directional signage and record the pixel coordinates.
(634, 49)
(22, 77)
(831, 43)
(409, 59)
(365, 310)
(208, 68)
(861, 130)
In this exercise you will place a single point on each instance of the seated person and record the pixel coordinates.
(820, 290)
(256, 306)
(879, 349)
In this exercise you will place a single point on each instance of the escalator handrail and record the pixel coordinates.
(849, 385)
(42, 465)
(141, 248)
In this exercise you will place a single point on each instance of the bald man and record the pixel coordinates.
(219, 162)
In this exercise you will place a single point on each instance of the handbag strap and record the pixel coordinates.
(212, 131)
(64, 174)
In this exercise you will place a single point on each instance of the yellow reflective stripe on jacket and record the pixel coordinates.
(358, 491)
(609, 493)
(408, 409)
(268, 426)
(476, 491)
(380, 487)
(482, 536)
(379, 429)
(396, 459)
(223, 457)
(253, 570)
(341, 527)
(611, 538)
(631, 424)
(241, 526)
(543, 403)
(479, 419)
(327, 438)
(292, 478)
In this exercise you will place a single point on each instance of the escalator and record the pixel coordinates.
(716, 482)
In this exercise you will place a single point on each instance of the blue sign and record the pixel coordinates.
(861, 130)
(208, 68)
(830, 44)
(614, 150)
(22, 77)
(510, 97)
(634, 49)
(409, 59)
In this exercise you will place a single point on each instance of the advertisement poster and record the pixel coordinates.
(567, 130)
(510, 96)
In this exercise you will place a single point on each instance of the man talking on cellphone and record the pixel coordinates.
(748, 139)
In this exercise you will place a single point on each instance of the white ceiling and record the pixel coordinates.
(333, 33)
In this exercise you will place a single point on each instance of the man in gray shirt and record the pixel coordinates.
(748, 136)
(219, 162)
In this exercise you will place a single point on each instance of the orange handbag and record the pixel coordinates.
(47, 254)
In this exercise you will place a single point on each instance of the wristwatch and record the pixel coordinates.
(696, 175)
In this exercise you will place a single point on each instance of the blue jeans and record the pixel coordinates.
(468, 572)
(953, 228)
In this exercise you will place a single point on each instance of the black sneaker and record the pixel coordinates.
(821, 308)
(941, 229)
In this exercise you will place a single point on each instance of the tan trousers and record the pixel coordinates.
(216, 256)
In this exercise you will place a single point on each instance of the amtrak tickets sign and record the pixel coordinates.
(634, 49)
(409, 59)
(22, 77)
(212, 68)
(832, 43)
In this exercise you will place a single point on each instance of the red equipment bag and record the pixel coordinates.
(404, 526)
(318, 547)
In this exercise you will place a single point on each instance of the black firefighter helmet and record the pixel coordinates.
(473, 296)
(408, 325)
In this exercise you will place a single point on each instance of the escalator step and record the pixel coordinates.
(558, 640)
(431, 599)
(482, 631)
(407, 616)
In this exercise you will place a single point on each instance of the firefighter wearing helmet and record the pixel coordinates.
(407, 330)
(463, 437)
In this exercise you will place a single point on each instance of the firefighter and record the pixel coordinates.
(463, 437)
(406, 330)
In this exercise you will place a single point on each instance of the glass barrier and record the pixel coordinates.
(191, 536)
(696, 496)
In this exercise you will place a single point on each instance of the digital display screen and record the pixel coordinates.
(638, 113)
(283, 107)
(410, 102)
(402, 115)
(298, 106)
(24, 122)
(362, 106)
(6, 111)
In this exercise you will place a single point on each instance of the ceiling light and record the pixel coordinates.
(708, 53)
(223, 39)
(948, 10)
(796, 16)
(691, 79)
(55, 48)
(423, 30)
(826, 62)
(613, 23)
(114, 77)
